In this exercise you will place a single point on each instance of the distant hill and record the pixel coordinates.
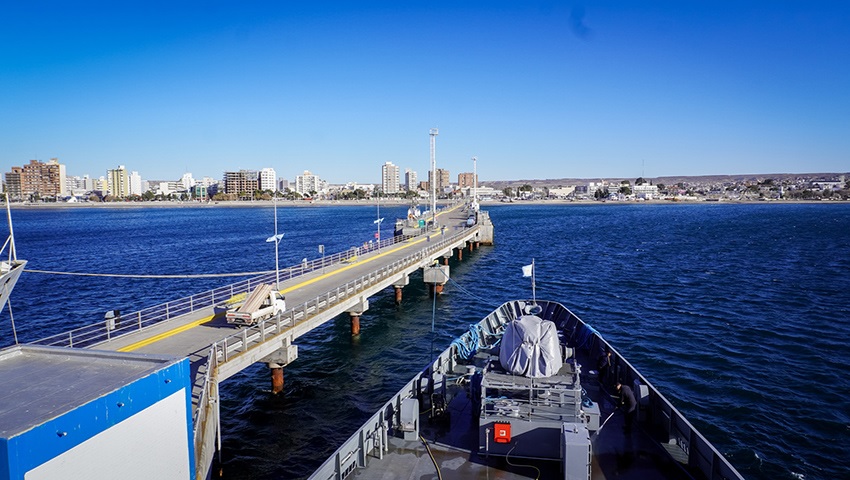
(667, 180)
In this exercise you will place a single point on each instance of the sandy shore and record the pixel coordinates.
(387, 202)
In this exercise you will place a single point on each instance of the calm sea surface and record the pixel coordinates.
(739, 314)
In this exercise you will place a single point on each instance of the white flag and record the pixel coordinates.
(527, 270)
(379, 220)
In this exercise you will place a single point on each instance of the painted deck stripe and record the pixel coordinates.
(189, 326)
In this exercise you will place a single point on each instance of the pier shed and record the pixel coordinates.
(88, 414)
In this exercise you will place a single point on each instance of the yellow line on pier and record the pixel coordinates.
(189, 326)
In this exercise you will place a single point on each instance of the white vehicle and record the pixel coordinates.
(264, 302)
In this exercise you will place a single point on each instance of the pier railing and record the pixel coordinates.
(106, 329)
(244, 340)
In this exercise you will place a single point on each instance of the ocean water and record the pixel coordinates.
(739, 314)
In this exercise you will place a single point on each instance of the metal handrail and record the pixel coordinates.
(101, 331)
(250, 337)
(240, 342)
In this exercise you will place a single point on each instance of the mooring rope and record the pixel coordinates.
(122, 275)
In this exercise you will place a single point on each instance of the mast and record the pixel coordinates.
(434, 132)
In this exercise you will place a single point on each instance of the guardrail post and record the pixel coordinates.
(140, 319)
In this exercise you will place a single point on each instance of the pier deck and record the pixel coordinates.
(218, 350)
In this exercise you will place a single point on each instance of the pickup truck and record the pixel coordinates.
(264, 302)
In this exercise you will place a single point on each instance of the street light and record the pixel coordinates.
(276, 239)
(378, 222)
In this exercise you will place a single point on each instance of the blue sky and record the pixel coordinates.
(535, 90)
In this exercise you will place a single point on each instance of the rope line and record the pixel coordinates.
(122, 275)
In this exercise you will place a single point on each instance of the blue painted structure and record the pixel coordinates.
(61, 408)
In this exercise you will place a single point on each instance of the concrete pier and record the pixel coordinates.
(317, 293)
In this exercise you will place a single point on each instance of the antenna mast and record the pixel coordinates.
(434, 132)
(475, 179)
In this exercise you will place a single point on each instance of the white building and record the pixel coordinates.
(389, 178)
(307, 182)
(135, 184)
(645, 191)
(187, 181)
(561, 192)
(268, 179)
(207, 181)
(410, 180)
(483, 192)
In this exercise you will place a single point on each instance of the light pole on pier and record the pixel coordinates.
(378, 221)
(475, 179)
(276, 239)
(434, 132)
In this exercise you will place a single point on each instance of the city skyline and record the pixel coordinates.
(536, 90)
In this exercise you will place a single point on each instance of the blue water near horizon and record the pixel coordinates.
(738, 314)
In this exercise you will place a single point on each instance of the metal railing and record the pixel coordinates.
(105, 330)
(668, 427)
(244, 340)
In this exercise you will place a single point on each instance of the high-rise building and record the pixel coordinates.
(135, 184)
(307, 182)
(389, 178)
(267, 180)
(466, 180)
(410, 181)
(442, 180)
(43, 180)
(241, 182)
(118, 182)
(14, 181)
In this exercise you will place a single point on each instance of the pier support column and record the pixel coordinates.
(355, 312)
(279, 359)
(277, 378)
(445, 260)
(398, 285)
(460, 254)
(435, 276)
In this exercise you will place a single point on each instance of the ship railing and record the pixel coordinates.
(658, 416)
(105, 330)
(371, 439)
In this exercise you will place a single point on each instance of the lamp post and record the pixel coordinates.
(276, 239)
(378, 221)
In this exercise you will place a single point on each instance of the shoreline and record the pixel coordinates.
(390, 202)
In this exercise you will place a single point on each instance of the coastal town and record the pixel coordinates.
(40, 182)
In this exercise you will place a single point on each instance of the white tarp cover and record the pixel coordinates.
(530, 347)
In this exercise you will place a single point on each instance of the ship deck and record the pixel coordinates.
(452, 449)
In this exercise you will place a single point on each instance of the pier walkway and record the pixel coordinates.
(316, 292)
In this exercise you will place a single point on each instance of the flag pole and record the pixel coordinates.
(533, 292)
